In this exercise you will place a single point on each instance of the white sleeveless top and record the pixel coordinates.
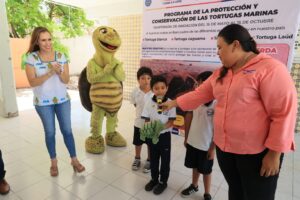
(53, 90)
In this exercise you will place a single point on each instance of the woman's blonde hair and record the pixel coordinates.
(33, 46)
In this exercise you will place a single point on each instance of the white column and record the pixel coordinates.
(8, 101)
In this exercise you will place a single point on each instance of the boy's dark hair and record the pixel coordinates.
(203, 76)
(156, 79)
(144, 71)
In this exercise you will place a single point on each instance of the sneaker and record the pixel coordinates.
(149, 186)
(207, 196)
(147, 167)
(159, 188)
(136, 164)
(188, 191)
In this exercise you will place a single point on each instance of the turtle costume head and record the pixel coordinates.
(101, 91)
(106, 39)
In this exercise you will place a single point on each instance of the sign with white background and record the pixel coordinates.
(187, 30)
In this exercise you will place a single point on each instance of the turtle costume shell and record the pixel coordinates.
(84, 91)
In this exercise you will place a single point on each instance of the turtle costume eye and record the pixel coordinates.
(106, 39)
(103, 30)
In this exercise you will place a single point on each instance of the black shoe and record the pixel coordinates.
(159, 188)
(188, 191)
(207, 196)
(149, 186)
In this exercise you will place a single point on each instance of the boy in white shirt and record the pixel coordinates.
(160, 150)
(138, 98)
(199, 145)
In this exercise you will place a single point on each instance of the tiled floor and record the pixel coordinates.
(109, 175)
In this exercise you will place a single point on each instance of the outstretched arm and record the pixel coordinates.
(168, 105)
(193, 99)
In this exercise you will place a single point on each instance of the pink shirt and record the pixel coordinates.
(256, 107)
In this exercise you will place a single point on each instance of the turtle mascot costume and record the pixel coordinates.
(101, 92)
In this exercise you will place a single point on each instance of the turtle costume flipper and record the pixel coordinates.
(84, 91)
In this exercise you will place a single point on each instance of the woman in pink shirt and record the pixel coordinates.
(254, 117)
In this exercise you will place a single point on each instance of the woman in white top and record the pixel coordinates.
(47, 72)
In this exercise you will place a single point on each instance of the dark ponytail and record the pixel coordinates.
(249, 45)
(237, 32)
(223, 73)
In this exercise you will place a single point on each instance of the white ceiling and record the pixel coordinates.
(90, 3)
(96, 9)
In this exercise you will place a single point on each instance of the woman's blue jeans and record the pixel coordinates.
(63, 114)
